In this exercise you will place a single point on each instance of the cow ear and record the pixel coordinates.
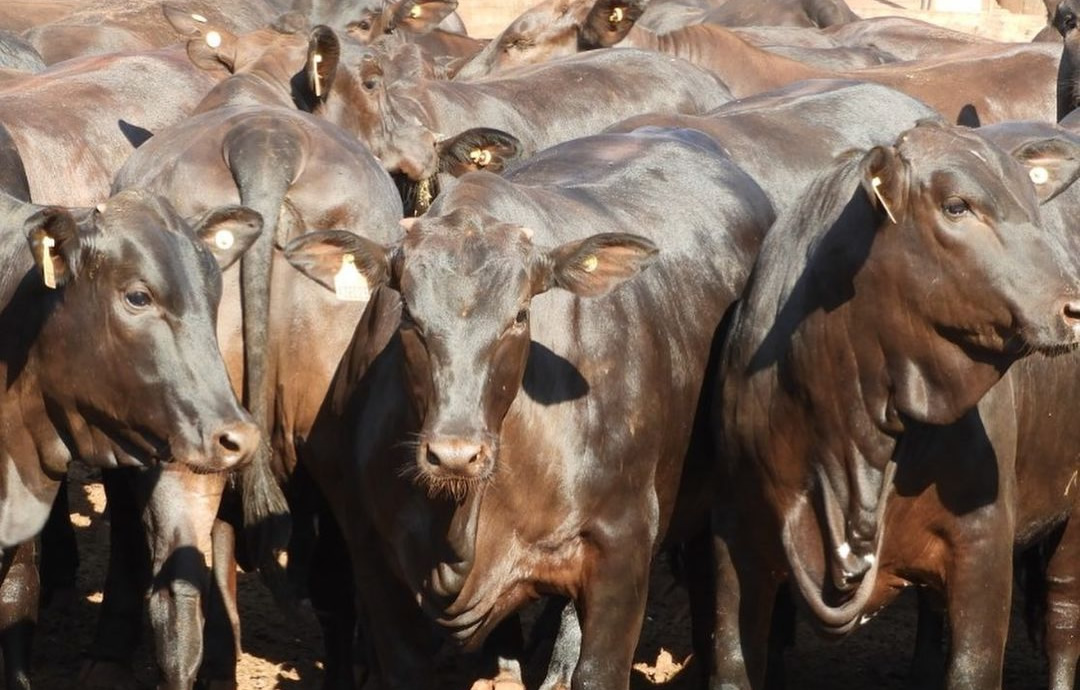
(421, 16)
(54, 240)
(341, 261)
(323, 55)
(596, 265)
(882, 176)
(228, 231)
(1052, 164)
(609, 21)
(480, 148)
(210, 46)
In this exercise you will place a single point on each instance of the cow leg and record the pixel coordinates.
(179, 518)
(978, 602)
(1063, 608)
(928, 663)
(222, 630)
(745, 597)
(119, 625)
(567, 648)
(611, 607)
(331, 587)
(59, 553)
(19, 592)
(506, 645)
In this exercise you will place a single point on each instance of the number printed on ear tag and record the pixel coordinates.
(349, 283)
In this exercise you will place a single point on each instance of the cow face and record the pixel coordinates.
(1066, 19)
(555, 28)
(127, 350)
(979, 268)
(467, 283)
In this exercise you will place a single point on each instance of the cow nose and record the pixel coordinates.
(1070, 311)
(236, 443)
(458, 456)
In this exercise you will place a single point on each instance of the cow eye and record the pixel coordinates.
(1069, 22)
(955, 207)
(138, 298)
(370, 83)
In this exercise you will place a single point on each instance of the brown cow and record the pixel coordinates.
(927, 266)
(493, 401)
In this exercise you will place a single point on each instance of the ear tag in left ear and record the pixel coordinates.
(616, 16)
(876, 183)
(416, 11)
(480, 157)
(1039, 174)
(224, 240)
(47, 270)
(590, 263)
(349, 284)
(315, 60)
(213, 39)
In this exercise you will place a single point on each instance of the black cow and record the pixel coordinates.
(883, 306)
(507, 443)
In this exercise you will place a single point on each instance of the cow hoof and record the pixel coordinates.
(502, 682)
(106, 675)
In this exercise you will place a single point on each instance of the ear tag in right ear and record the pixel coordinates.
(315, 60)
(416, 11)
(616, 16)
(876, 183)
(481, 158)
(47, 270)
(590, 263)
(1039, 175)
(213, 39)
(349, 284)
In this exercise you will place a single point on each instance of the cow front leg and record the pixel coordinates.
(978, 602)
(222, 630)
(19, 593)
(1063, 607)
(611, 607)
(179, 518)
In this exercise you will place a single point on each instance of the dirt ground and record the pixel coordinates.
(284, 654)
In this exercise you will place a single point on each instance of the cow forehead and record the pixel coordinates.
(931, 151)
(465, 267)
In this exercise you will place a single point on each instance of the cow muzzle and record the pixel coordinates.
(231, 446)
(453, 464)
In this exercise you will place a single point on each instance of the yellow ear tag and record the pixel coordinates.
(349, 284)
(617, 15)
(590, 263)
(480, 157)
(875, 183)
(1039, 174)
(213, 39)
(416, 11)
(47, 269)
(315, 60)
(199, 18)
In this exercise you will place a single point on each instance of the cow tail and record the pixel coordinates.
(264, 161)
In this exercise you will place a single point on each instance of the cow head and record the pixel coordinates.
(554, 28)
(467, 282)
(366, 20)
(127, 351)
(965, 250)
(1066, 19)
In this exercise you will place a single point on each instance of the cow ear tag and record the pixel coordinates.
(416, 11)
(876, 184)
(48, 272)
(590, 263)
(616, 16)
(315, 60)
(213, 39)
(349, 284)
(1039, 175)
(481, 158)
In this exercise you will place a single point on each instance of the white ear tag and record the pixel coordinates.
(875, 183)
(416, 11)
(616, 16)
(213, 39)
(199, 18)
(1039, 174)
(224, 240)
(47, 269)
(349, 284)
(590, 263)
(480, 157)
(315, 60)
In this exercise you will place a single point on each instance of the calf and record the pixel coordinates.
(493, 400)
(882, 307)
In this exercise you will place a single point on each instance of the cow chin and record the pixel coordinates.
(230, 447)
(1058, 335)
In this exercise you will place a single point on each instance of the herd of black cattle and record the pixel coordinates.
(783, 290)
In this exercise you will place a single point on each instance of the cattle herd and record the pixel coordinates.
(424, 328)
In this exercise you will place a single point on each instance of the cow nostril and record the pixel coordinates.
(455, 455)
(237, 441)
(1071, 311)
(229, 442)
(433, 457)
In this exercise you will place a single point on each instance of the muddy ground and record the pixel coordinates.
(284, 653)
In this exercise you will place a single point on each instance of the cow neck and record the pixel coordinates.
(743, 67)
